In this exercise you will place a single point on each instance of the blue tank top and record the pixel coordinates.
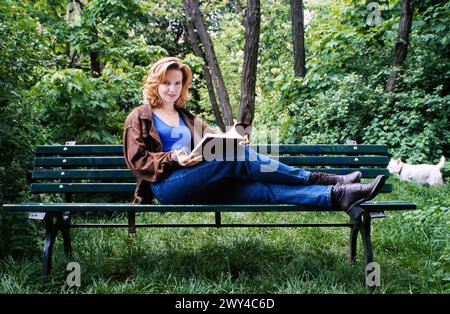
(173, 137)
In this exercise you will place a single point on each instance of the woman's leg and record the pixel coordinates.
(243, 192)
(253, 192)
(265, 169)
(262, 168)
(208, 182)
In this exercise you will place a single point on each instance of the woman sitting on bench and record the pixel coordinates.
(158, 138)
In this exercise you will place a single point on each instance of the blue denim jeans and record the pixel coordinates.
(253, 179)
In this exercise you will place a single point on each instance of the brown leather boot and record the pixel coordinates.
(322, 178)
(347, 197)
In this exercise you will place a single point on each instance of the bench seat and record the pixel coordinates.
(108, 207)
(76, 173)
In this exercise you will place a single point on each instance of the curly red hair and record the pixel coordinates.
(156, 76)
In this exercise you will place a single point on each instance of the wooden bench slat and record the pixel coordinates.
(104, 207)
(42, 150)
(320, 149)
(83, 174)
(366, 172)
(289, 160)
(67, 150)
(79, 161)
(126, 173)
(104, 188)
(82, 187)
(335, 161)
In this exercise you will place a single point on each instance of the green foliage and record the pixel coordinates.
(73, 106)
(48, 94)
(21, 51)
(348, 64)
(414, 123)
(18, 237)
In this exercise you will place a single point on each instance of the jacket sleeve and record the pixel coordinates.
(143, 163)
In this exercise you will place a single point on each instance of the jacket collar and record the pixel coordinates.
(146, 112)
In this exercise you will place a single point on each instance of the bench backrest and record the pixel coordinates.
(74, 169)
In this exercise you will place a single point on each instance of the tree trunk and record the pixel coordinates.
(238, 7)
(192, 38)
(298, 36)
(94, 55)
(73, 58)
(96, 64)
(401, 46)
(192, 6)
(248, 83)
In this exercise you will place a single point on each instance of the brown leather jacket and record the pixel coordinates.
(143, 153)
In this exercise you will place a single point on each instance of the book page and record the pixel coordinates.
(230, 134)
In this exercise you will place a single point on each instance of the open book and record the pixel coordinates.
(217, 145)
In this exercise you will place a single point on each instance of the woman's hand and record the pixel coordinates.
(245, 141)
(184, 159)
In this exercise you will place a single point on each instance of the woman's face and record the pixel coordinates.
(170, 88)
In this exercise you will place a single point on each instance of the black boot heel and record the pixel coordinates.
(355, 211)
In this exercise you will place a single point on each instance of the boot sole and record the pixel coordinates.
(381, 179)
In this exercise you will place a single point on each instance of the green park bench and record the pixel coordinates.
(85, 174)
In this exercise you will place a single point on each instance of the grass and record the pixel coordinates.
(412, 249)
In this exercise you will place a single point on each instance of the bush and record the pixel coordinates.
(17, 235)
(342, 95)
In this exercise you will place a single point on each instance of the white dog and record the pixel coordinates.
(423, 173)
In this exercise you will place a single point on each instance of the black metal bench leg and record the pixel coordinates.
(362, 226)
(368, 253)
(50, 235)
(353, 243)
(65, 231)
(54, 222)
(365, 234)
